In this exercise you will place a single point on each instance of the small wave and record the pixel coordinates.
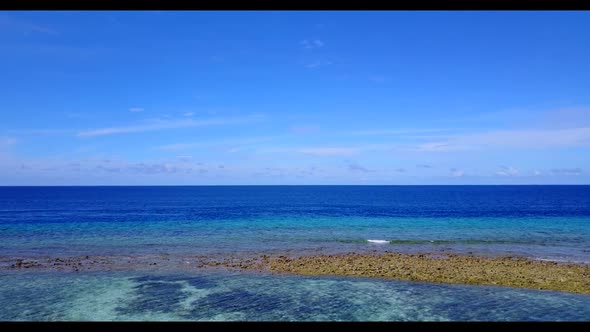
(378, 241)
(422, 242)
(438, 242)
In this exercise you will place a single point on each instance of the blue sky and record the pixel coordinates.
(138, 98)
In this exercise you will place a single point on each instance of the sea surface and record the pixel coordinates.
(540, 222)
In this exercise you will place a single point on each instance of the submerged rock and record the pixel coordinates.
(456, 269)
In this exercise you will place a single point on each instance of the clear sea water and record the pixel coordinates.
(542, 222)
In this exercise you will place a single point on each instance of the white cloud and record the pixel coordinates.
(513, 139)
(40, 131)
(97, 166)
(312, 43)
(507, 171)
(378, 132)
(161, 125)
(567, 171)
(184, 158)
(136, 109)
(25, 26)
(434, 146)
(457, 172)
(304, 129)
(7, 141)
(377, 79)
(188, 114)
(358, 168)
(329, 151)
(55, 50)
(537, 172)
(218, 143)
(317, 64)
(565, 118)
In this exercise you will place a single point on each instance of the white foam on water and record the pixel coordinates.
(378, 241)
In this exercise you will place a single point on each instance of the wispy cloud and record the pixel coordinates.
(377, 79)
(358, 168)
(235, 143)
(423, 166)
(147, 168)
(162, 125)
(457, 172)
(155, 168)
(184, 158)
(136, 109)
(565, 118)
(54, 50)
(311, 43)
(400, 170)
(113, 168)
(304, 129)
(40, 131)
(23, 26)
(7, 141)
(513, 139)
(385, 132)
(329, 151)
(507, 171)
(318, 63)
(567, 171)
(433, 146)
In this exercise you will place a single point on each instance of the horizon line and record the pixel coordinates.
(289, 185)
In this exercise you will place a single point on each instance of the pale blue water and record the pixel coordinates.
(556, 238)
(230, 296)
(545, 222)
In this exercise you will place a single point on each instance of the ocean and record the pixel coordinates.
(539, 222)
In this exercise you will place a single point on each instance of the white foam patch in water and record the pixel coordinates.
(378, 241)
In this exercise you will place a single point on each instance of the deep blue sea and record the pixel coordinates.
(541, 222)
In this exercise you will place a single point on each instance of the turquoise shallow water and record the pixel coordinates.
(554, 238)
(542, 222)
(220, 296)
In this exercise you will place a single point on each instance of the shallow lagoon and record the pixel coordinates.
(224, 296)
